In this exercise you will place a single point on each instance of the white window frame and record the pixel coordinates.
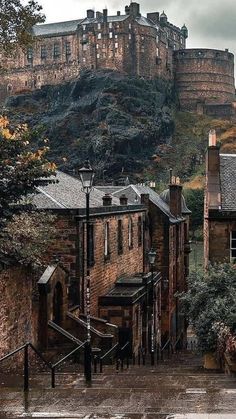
(99, 26)
(110, 35)
(99, 35)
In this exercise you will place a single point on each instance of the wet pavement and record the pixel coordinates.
(176, 389)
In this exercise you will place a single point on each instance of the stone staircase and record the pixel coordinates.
(176, 386)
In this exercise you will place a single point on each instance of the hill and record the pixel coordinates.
(127, 126)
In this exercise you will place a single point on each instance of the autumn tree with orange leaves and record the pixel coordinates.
(23, 234)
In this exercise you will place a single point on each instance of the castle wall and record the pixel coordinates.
(205, 76)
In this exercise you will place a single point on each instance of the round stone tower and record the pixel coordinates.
(204, 76)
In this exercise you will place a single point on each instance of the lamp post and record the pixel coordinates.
(86, 176)
(151, 258)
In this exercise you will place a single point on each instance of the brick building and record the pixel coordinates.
(166, 231)
(220, 205)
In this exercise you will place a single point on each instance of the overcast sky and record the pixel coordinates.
(211, 23)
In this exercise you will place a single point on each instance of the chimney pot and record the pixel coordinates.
(90, 14)
(104, 15)
(212, 138)
(107, 200)
(118, 13)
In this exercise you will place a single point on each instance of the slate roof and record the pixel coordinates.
(228, 181)
(67, 194)
(56, 28)
(145, 22)
(133, 193)
(71, 25)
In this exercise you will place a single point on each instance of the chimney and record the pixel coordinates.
(118, 13)
(98, 15)
(107, 200)
(90, 14)
(105, 15)
(123, 200)
(134, 9)
(144, 199)
(175, 189)
(213, 155)
(127, 10)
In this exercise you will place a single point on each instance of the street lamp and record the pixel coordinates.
(86, 174)
(151, 258)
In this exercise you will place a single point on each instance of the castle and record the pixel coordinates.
(130, 43)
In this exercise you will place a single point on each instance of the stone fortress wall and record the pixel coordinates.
(204, 76)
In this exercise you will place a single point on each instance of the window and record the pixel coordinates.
(106, 241)
(43, 52)
(116, 36)
(157, 39)
(116, 44)
(142, 48)
(130, 36)
(110, 35)
(30, 54)
(84, 27)
(130, 26)
(110, 25)
(84, 60)
(98, 56)
(26, 83)
(120, 237)
(99, 35)
(130, 233)
(140, 231)
(91, 244)
(157, 52)
(68, 48)
(56, 50)
(97, 46)
(233, 245)
(84, 47)
(99, 26)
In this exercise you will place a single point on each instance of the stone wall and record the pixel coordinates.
(18, 311)
(106, 270)
(204, 75)
(219, 250)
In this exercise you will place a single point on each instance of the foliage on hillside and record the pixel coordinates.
(117, 121)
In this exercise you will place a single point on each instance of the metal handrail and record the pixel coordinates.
(177, 341)
(64, 332)
(115, 347)
(26, 360)
(53, 367)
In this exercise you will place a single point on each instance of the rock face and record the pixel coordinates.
(116, 121)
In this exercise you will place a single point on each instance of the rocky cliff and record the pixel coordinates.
(117, 121)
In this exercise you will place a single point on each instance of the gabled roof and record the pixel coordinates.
(228, 181)
(67, 193)
(133, 193)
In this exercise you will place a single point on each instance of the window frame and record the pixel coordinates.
(232, 258)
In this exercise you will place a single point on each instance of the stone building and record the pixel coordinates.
(129, 43)
(167, 231)
(220, 205)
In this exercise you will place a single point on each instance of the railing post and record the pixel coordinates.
(133, 358)
(87, 362)
(152, 359)
(127, 361)
(121, 364)
(26, 368)
(144, 357)
(100, 365)
(95, 364)
(53, 377)
(139, 357)
(158, 353)
(117, 364)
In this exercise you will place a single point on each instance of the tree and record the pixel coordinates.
(16, 22)
(21, 172)
(195, 202)
(210, 300)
